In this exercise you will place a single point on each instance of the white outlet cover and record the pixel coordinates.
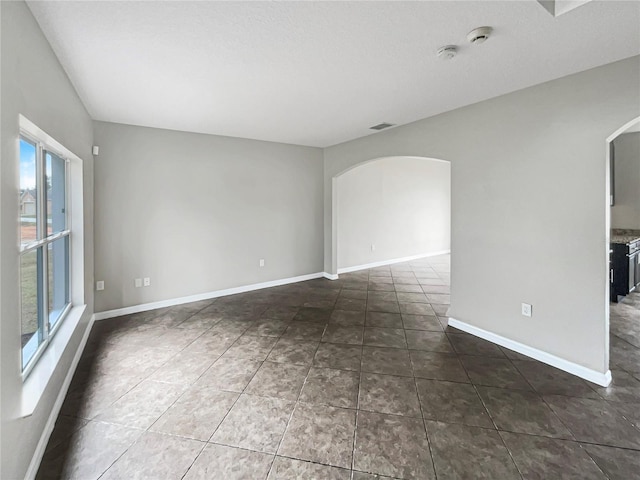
(147, 281)
(526, 309)
(100, 285)
(262, 262)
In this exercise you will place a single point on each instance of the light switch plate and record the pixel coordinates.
(526, 309)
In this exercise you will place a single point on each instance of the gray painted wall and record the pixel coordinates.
(196, 213)
(35, 85)
(529, 205)
(626, 211)
(402, 205)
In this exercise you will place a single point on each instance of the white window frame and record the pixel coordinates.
(75, 233)
(43, 243)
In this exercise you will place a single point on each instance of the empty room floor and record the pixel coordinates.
(358, 378)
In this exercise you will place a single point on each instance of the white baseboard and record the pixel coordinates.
(391, 262)
(330, 276)
(206, 296)
(602, 379)
(34, 465)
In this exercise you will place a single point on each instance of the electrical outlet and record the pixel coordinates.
(100, 285)
(262, 262)
(373, 247)
(147, 281)
(137, 282)
(526, 309)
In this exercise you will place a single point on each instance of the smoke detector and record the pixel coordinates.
(447, 52)
(479, 35)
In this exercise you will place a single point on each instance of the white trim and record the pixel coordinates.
(51, 421)
(623, 129)
(391, 262)
(38, 380)
(330, 276)
(74, 209)
(32, 130)
(204, 296)
(603, 379)
(388, 157)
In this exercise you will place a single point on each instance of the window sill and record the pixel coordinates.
(36, 383)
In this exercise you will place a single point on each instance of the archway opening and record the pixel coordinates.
(392, 209)
(623, 247)
(392, 218)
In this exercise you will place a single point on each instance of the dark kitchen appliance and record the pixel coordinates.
(626, 268)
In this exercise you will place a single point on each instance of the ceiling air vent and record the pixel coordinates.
(381, 126)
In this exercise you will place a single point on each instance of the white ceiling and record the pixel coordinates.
(317, 73)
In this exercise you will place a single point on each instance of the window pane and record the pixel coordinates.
(56, 193)
(30, 291)
(28, 193)
(58, 263)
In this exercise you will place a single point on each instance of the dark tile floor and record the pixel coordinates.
(358, 378)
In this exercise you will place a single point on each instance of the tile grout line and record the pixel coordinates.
(176, 400)
(424, 420)
(150, 374)
(180, 396)
(94, 419)
(354, 444)
(358, 402)
(210, 442)
(541, 396)
(542, 399)
(553, 412)
(296, 402)
(493, 421)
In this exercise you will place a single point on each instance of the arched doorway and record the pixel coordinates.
(622, 317)
(391, 209)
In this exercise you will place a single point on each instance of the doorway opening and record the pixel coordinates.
(393, 226)
(623, 223)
